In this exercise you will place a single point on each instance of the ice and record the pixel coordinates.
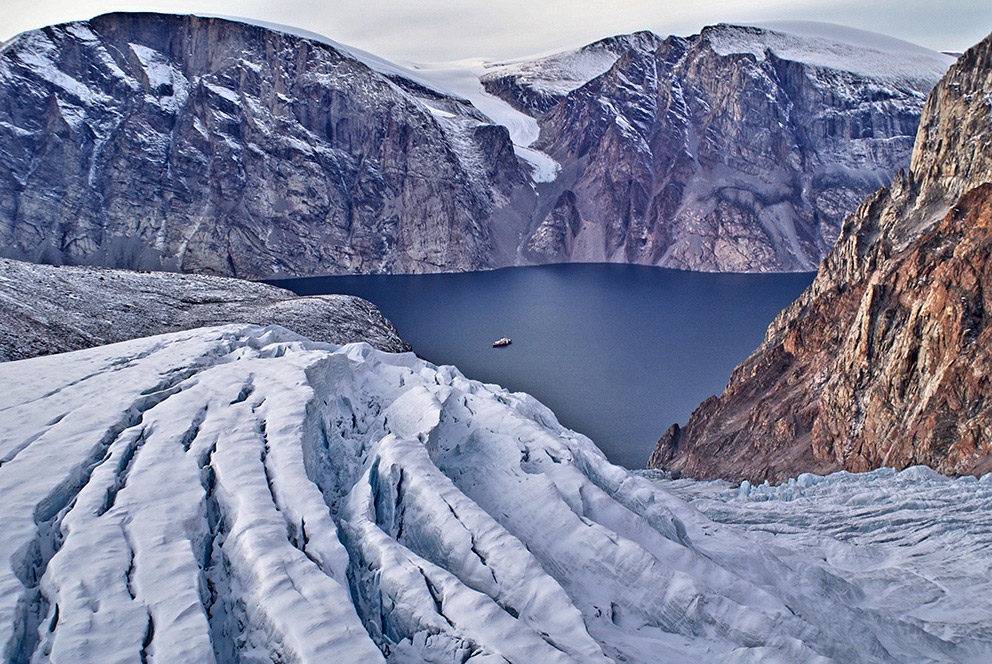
(240, 493)
(913, 541)
(545, 168)
(559, 73)
(834, 47)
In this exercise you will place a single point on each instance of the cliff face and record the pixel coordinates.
(885, 360)
(204, 145)
(738, 149)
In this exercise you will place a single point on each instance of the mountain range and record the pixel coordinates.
(214, 146)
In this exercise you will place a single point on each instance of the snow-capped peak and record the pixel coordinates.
(560, 72)
(832, 46)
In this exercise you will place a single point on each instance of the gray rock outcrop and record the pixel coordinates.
(47, 309)
(737, 149)
(211, 146)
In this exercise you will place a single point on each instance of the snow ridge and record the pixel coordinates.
(243, 494)
(835, 47)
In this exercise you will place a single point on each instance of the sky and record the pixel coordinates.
(441, 30)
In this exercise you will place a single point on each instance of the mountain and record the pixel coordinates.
(885, 359)
(207, 145)
(49, 309)
(242, 494)
(737, 149)
(215, 146)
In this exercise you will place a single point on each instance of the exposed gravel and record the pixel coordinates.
(47, 309)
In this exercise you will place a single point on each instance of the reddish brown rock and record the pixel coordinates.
(886, 359)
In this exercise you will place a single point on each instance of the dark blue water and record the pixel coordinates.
(618, 352)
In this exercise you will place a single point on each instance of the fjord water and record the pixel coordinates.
(618, 352)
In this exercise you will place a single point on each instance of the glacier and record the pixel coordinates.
(242, 494)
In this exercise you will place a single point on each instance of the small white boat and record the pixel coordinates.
(505, 341)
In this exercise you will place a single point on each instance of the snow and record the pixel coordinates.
(556, 74)
(460, 79)
(155, 64)
(39, 54)
(545, 168)
(14, 129)
(242, 493)
(221, 91)
(832, 46)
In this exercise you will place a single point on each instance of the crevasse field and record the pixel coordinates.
(242, 494)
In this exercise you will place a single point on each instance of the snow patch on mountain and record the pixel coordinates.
(156, 65)
(462, 79)
(556, 74)
(544, 167)
(459, 79)
(241, 493)
(831, 46)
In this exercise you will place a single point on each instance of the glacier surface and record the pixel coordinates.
(242, 494)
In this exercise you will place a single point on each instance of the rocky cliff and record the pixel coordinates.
(47, 309)
(737, 149)
(885, 360)
(206, 145)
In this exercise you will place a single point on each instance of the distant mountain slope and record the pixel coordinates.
(886, 359)
(215, 146)
(738, 149)
(242, 494)
(48, 309)
(206, 145)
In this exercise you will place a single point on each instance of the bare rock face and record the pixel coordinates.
(554, 239)
(48, 309)
(737, 149)
(886, 359)
(204, 145)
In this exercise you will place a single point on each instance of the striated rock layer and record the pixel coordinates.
(48, 309)
(886, 359)
(213, 146)
(207, 145)
(242, 494)
(737, 149)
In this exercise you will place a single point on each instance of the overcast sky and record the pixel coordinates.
(433, 30)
